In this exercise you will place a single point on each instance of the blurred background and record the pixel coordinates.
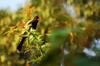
(68, 33)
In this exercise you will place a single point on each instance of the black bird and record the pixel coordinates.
(33, 26)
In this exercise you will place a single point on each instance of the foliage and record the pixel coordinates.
(64, 24)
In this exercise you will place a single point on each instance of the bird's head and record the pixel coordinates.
(36, 17)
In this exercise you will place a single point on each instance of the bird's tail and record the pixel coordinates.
(19, 47)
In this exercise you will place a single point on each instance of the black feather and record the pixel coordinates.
(33, 25)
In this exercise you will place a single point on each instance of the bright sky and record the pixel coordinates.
(12, 4)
